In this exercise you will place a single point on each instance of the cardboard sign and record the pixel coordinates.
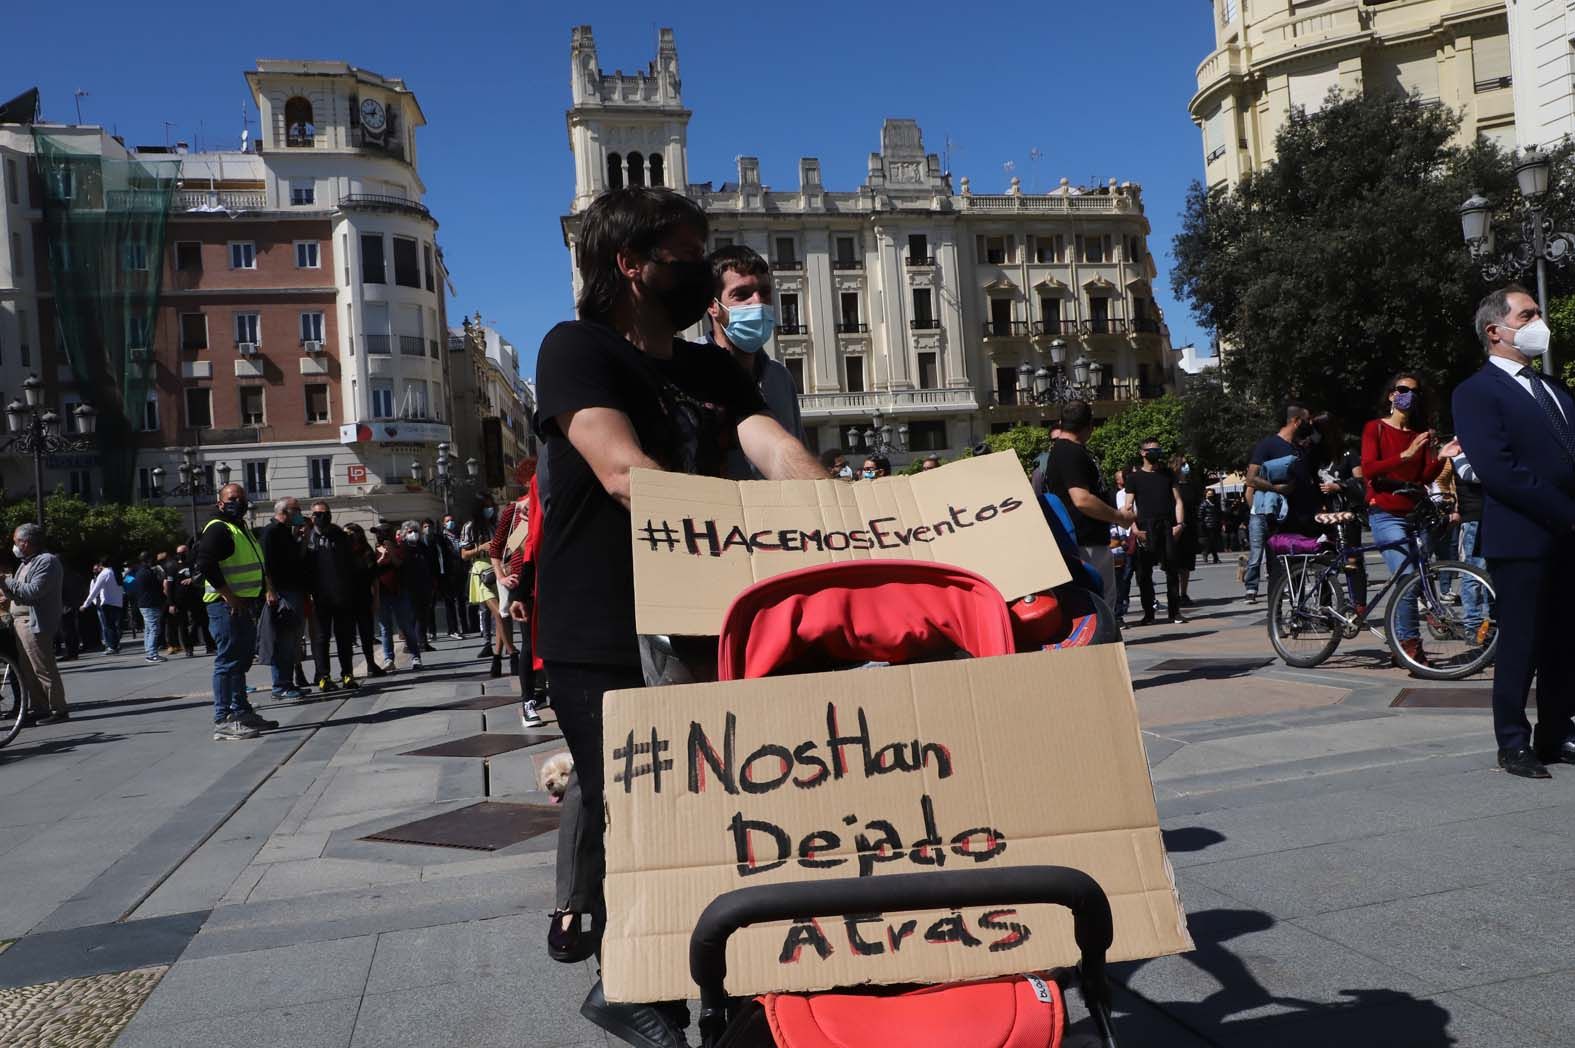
(1020, 760)
(699, 542)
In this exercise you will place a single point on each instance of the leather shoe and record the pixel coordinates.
(1563, 753)
(638, 1024)
(1523, 762)
(572, 944)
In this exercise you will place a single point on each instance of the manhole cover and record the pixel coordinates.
(1211, 665)
(483, 702)
(485, 826)
(489, 744)
(1447, 699)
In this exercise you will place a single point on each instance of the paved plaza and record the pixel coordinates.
(1354, 872)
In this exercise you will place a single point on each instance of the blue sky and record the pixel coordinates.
(1101, 90)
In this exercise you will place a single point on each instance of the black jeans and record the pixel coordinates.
(338, 625)
(1154, 551)
(577, 690)
(362, 616)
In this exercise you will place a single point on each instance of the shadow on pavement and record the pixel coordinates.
(75, 716)
(44, 747)
(1145, 637)
(1191, 838)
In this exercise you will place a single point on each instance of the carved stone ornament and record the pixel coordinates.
(910, 171)
(850, 281)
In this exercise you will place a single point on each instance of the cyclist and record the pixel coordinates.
(1399, 452)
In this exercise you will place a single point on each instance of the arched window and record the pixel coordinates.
(299, 130)
(614, 171)
(636, 169)
(656, 169)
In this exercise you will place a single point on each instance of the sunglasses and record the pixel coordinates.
(1405, 389)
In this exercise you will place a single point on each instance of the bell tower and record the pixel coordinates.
(625, 129)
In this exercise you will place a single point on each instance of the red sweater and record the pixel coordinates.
(1382, 448)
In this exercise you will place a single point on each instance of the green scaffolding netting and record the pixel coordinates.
(105, 219)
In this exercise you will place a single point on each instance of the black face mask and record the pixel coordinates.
(1305, 430)
(322, 518)
(233, 509)
(689, 297)
(1155, 456)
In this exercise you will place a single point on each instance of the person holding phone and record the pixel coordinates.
(1399, 451)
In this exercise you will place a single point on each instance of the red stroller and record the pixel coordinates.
(863, 612)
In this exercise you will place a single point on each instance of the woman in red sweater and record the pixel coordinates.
(1397, 451)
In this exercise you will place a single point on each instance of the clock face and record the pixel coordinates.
(372, 114)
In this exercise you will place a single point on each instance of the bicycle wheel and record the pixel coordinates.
(13, 704)
(1305, 627)
(1458, 640)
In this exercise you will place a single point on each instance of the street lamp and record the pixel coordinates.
(877, 437)
(1540, 243)
(38, 433)
(444, 482)
(193, 482)
(1052, 385)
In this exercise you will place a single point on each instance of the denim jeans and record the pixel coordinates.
(284, 646)
(1473, 598)
(1257, 543)
(109, 627)
(394, 612)
(150, 632)
(235, 635)
(1387, 527)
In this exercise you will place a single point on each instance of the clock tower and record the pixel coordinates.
(625, 129)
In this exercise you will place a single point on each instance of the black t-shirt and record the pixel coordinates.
(150, 587)
(1069, 465)
(1155, 494)
(685, 413)
(1304, 499)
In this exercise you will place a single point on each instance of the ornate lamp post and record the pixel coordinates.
(36, 432)
(876, 438)
(193, 482)
(445, 482)
(1052, 385)
(1540, 243)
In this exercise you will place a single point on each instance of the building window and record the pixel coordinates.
(1099, 314)
(1005, 387)
(150, 414)
(306, 255)
(427, 270)
(139, 333)
(299, 130)
(12, 193)
(65, 185)
(1049, 248)
(415, 405)
(657, 173)
(787, 253)
(1096, 249)
(243, 255)
(795, 367)
(929, 372)
(303, 192)
(199, 408)
(193, 331)
(317, 403)
(636, 168)
(855, 373)
(923, 315)
(1134, 249)
(1490, 62)
(311, 327)
(927, 436)
(722, 242)
(1000, 316)
(320, 476)
(847, 252)
(407, 263)
(256, 477)
(188, 256)
(382, 400)
(137, 257)
(918, 248)
(68, 413)
(251, 406)
(248, 328)
(614, 171)
(788, 304)
(849, 301)
(372, 271)
(80, 483)
(1050, 313)
(26, 351)
(995, 250)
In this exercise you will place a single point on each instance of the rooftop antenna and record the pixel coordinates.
(167, 125)
(80, 93)
(950, 148)
(246, 125)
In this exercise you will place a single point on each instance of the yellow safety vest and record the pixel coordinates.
(243, 568)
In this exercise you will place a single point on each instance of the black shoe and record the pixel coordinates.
(374, 670)
(485, 653)
(638, 1024)
(428, 647)
(54, 718)
(1176, 620)
(1523, 762)
(514, 664)
(496, 669)
(570, 945)
(1563, 753)
(251, 719)
(1146, 620)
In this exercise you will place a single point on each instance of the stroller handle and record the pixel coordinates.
(1058, 885)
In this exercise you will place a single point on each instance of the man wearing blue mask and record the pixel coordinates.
(741, 320)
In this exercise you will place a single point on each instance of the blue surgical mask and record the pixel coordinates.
(750, 327)
(869, 474)
(1403, 401)
(297, 518)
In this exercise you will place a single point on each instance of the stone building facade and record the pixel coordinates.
(905, 298)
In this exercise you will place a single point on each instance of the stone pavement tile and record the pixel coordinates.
(289, 847)
(1477, 1024)
(318, 1024)
(96, 950)
(1457, 939)
(356, 790)
(1329, 877)
(1556, 818)
(260, 980)
(286, 880)
(540, 1011)
(1541, 1003)
(1182, 698)
(431, 956)
(81, 1013)
(521, 862)
(202, 880)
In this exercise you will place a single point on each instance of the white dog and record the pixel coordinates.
(553, 777)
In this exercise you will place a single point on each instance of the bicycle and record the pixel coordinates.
(1311, 612)
(13, 700)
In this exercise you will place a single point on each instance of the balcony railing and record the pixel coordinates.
(925, 324)
(928, 400)
(1107, 326)
(787, 265)
(851, 327)
(378, 344)
(218, 200)
(1146, 326)
(847, 263)
(1494, 84)
(921, 260)
(1055, 327)
(1005, 328)
(794, 328)
(1057, 204)
(412, 346)
(383, 201)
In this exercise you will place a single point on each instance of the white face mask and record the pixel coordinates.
(1534, 338)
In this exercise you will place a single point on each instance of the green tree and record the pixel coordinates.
(1028, 441)
(1115, 443)
(1561, 318)
(1341, 262)
(81, 533)
(1218, 427)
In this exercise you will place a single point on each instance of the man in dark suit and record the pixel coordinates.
(1517, 427)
